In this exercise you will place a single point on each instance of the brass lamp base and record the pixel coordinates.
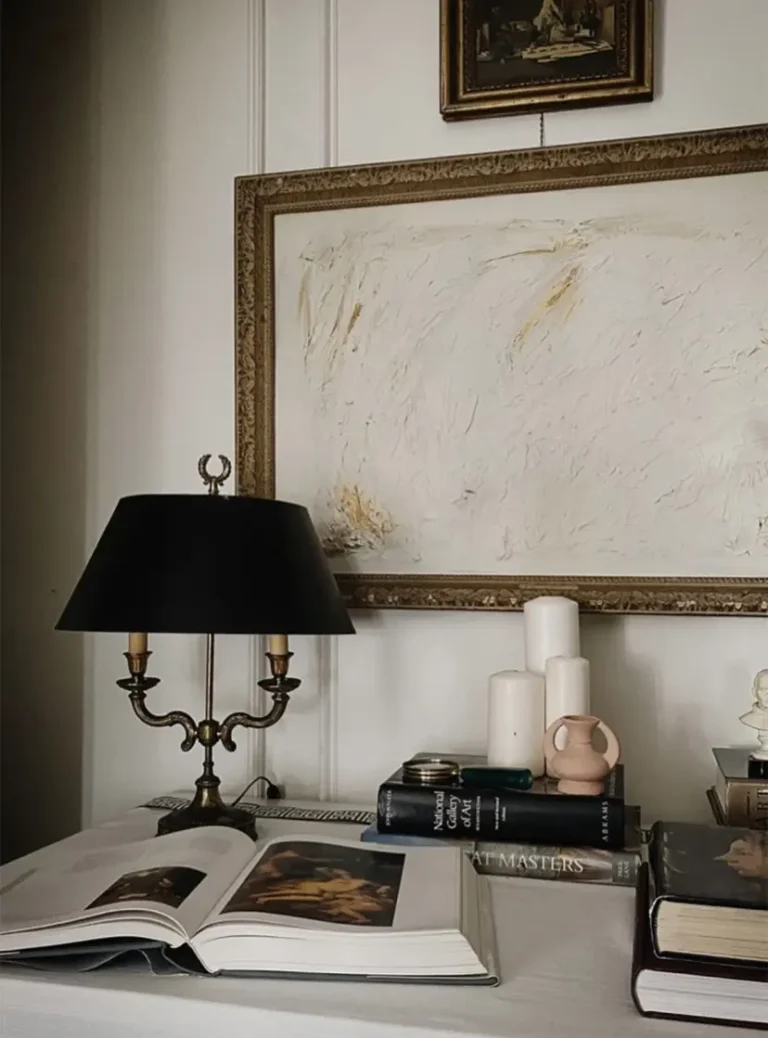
(207, 809)
(191, 817)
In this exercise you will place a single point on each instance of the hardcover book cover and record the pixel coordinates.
(690, 989)
(716, 807)
(541, 861)
(572, 864)
(451, 810)
(743, 799)
(733, 762)
(716, 865)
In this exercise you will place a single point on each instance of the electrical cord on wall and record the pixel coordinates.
(273, 790)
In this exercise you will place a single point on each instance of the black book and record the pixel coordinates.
(692, 989)
(709, 887)
(540, 815)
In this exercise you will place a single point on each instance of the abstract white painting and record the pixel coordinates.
(563, 382)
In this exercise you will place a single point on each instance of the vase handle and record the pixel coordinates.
(549, 739)
(613, 750)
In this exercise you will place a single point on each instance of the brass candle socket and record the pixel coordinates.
(207, 807)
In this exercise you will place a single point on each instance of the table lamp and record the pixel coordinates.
(207, 564)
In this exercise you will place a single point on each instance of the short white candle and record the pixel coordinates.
(137, 643)
(516, 720)
(551, 629)
(277, 644)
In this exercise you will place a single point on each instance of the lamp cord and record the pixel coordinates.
(273, 791)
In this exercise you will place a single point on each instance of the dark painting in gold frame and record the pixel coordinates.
(261, 200)
(506, 57)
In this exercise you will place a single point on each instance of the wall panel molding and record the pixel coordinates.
(328, 741)
(330, 84)
(328, 648)
(256, 86)
(256, 127)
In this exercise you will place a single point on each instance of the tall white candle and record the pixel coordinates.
(551, 629)
(516, 720)
(567, 691)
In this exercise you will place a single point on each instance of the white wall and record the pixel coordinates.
(175, 126)
(365, 89)
(183, 96)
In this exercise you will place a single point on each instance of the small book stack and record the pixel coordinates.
(701, 925)
(740, 793)
(538, 833)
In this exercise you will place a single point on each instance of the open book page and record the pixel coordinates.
(339, 884)
(322, 907)
(138, 889)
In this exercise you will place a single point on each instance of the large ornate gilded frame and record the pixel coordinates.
(259, 199)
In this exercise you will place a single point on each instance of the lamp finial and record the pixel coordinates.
(213, 482)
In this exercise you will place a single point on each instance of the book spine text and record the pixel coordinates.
(575, 864)
(496, 815)
(745, 802)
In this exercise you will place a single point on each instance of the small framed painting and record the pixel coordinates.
(504, 57)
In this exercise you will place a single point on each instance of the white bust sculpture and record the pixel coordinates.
(757, 716)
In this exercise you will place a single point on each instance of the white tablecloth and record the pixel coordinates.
(565, 953)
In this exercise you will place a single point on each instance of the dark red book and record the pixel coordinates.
(692, 989)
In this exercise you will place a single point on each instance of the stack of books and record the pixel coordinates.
(539, 833)
(701, 925)
(740, 793)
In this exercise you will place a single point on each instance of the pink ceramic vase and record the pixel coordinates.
(579, 766)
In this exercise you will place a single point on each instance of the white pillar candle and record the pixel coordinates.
(567, 690)
(516, 720)
(551, 629)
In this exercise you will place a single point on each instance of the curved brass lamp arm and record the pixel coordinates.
(280, 696)
(136, 688)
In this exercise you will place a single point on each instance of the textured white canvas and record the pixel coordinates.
(560, 382)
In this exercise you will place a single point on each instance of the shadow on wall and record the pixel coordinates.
(81, 299)
(46, 92)
(614, 670)
(654, 735)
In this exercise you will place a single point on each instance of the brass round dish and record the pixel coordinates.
(430, 769)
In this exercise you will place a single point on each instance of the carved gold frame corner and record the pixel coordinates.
(260, 199)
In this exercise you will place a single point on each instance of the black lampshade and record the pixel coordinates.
(207, 564)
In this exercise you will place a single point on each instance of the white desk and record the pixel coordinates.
(565, 959)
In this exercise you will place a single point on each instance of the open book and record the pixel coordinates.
(304, 905)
